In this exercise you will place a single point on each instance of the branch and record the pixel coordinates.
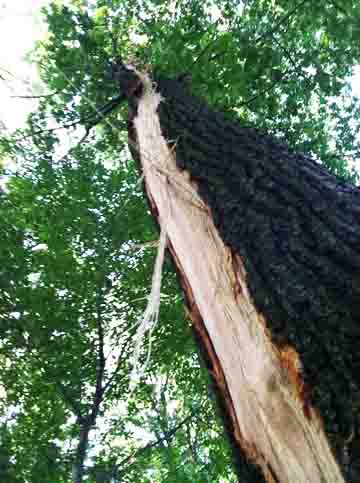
(89, 420)
(258, 40)
(13, 76)
(74, 406)
(90, 119)
(218, 55)
(203, 52)
(270, 32)
(192, 446)
(87, 132)
(110, 382)
(292, 62)
(37, 97)
(264, 91)
(339, 8)
(140, 246)
(81, 450)
(170, 434)
(100, 367)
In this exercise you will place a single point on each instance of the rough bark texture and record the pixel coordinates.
(295, 229)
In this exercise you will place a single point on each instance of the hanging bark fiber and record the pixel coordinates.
(266, 243)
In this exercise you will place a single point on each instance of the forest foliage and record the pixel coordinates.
(77, 242)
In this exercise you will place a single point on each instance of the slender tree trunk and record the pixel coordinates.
(88, 422)
(81, 450)
(266, 243)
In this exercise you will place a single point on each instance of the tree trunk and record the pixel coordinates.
(77, 472)
(266, 243)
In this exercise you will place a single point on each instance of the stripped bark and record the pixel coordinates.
(266, 244)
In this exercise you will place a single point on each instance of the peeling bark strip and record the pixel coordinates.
(266, 242)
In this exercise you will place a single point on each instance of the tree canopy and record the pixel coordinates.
(78, 243)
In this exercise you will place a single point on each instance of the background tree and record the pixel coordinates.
(72, 285)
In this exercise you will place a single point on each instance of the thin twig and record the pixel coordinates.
(87, 132)
(270, 32)
(14, 76)
(166, 437)
(259, 39)
(37, 97)
(140, 246)
(264, 91)
(292, 62)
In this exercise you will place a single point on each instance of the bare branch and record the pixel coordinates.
(89, 121)
(110, 382)
(37, 97)
(87, 132)
(13, 76)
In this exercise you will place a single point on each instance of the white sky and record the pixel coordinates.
(356, 81)
(19, 28)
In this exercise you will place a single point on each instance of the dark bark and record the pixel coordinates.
(81, 450)
(86, 423)
(296, 228)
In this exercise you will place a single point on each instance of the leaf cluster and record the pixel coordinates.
(76, 238)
